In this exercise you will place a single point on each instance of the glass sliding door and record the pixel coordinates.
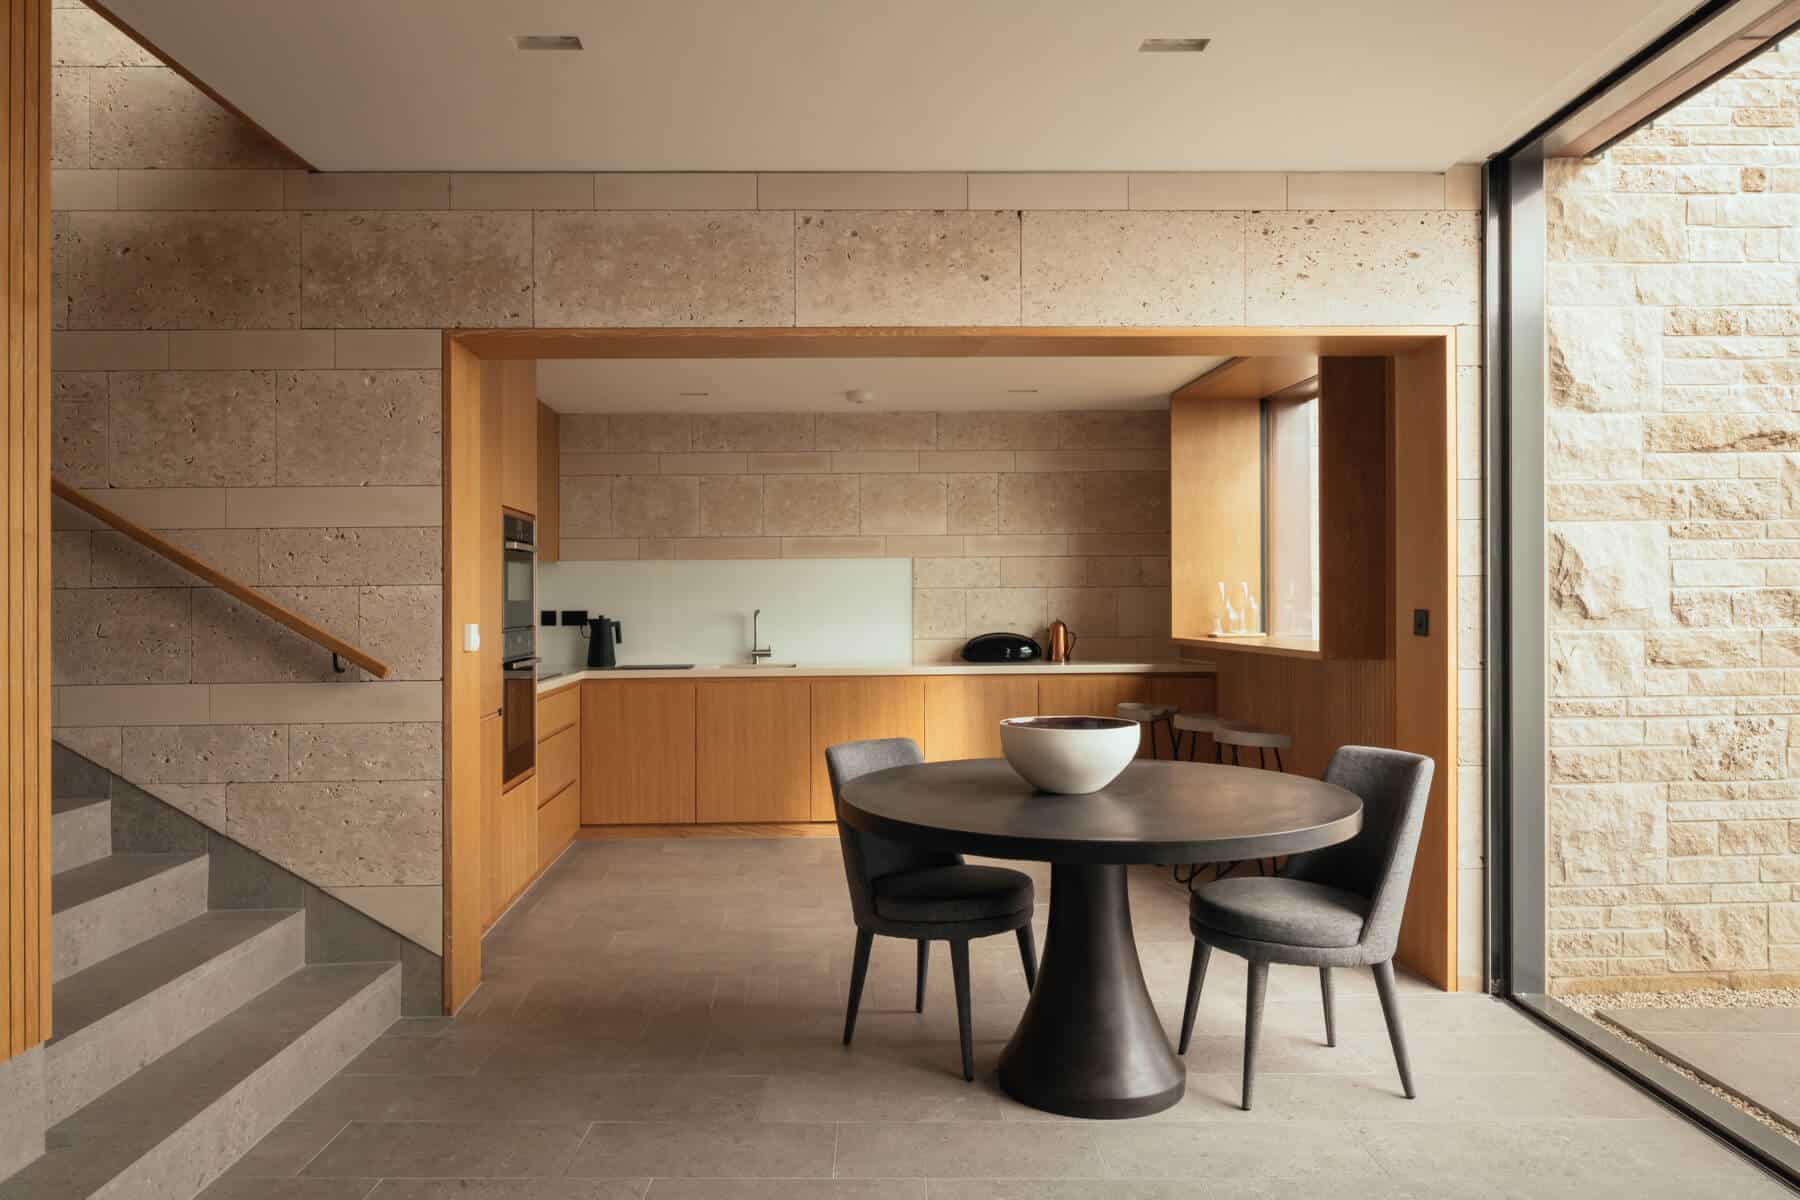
(1644, 610)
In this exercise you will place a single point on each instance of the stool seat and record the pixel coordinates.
(1198, 722)
(1243, 735)
(1132, 710)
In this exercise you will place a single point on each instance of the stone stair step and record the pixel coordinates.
(128, 1010)
(177, 1124)
(80, 833)
(114, 903)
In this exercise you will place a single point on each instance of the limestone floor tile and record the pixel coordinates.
(1310, 1152)
(287, 1148)
(920, 1094)
(449, 1150)
(968, 1151)
(513, 1189)
(702, 1149)
(250, 1188)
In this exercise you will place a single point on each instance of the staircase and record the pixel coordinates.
(183, 1035)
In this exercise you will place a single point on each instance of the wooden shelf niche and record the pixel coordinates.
(1221, 508)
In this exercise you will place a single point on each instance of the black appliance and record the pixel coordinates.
(518, 542)
(1001, 648)
(604, 634)
(518, 647)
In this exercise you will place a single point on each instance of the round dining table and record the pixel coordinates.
(1090, 1043)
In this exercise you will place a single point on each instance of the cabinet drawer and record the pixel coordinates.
(558, 762)
(557, 820)
(557, 711)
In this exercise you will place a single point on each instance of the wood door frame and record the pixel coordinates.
(1423, 537)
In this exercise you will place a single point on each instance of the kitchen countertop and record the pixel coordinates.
(550, 683)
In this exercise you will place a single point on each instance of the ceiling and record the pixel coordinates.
(819, 384)
(843, 85)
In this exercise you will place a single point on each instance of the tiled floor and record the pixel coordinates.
(1753, 1051)
(663, 1017)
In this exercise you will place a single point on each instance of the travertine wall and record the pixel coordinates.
(1674, 547)
(245, 354)
(1012, 519)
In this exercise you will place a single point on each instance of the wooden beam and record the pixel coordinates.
(25, 697)
(943, 342)
(1251, 378)
(217, 578)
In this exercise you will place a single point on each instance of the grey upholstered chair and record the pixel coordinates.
(926, 895)
(1335, 907)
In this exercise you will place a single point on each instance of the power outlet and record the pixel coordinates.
(1421, 622)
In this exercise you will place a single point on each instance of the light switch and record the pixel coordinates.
(471, 638)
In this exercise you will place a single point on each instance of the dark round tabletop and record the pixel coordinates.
(1154, 812)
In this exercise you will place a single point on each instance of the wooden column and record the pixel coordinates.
(25, 506)
(467, 543)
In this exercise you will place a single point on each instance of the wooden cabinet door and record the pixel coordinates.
(492, 767)
(518, 838)
(849, 710)
(559, 761)
(754, 751)
(519, 435)
(637, 752)
(557, 820)
(549, 484)
(963, 712)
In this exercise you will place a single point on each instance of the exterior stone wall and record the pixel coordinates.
(1012, 520)
(1674, 547)
(245, 353)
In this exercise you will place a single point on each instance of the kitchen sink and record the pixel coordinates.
(769, 666)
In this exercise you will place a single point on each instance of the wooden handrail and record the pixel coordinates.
(217, 578)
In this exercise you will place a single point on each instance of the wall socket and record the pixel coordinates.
(1421, 622)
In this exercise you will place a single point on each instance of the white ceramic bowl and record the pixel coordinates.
(1072, 755)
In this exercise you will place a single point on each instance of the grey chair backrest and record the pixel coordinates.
(1377, 863)
(867, 857)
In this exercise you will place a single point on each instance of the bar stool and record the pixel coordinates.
(1260, 740)
(1195, 724)
(1148, 714)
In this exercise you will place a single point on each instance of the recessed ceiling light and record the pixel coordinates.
(1022, 391)
(859, 395)
(1173, 45)
(695, 395)
(547, 41)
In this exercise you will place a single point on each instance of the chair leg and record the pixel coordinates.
(1390, 1008)
(924, 963)
(1196, 981)
(1325, 991)
(1253, 1013)
(859, 968)
(1028, 956)
(959, 967)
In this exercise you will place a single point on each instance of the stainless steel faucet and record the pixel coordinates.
(757, 652)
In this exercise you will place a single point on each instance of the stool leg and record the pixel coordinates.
(1262, 759)
(1278, 765)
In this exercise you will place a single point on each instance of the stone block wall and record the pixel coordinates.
(245, 354)
(1012, 519)
(1674, 546)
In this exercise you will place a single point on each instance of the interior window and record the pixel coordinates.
(1291, 511)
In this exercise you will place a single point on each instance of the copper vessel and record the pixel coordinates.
(1062, 642)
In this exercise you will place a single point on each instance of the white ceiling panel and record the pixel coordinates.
(959, 85)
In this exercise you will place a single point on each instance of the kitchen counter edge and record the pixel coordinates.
(557, 682)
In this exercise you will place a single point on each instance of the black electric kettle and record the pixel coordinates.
(603, 634)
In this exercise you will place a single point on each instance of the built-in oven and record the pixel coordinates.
(518, 648)
(519, 552)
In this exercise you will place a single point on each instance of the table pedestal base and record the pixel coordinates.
(1090, 1044)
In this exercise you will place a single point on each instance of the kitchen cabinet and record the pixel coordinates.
(558, 761)
(518, 435)
(637, 752)
(963, 712)
(549, 484)
(753, 759)
(508, 829)
(848, 710)
(557, 820)
(488, 545)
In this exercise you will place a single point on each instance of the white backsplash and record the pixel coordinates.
(816, 611)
